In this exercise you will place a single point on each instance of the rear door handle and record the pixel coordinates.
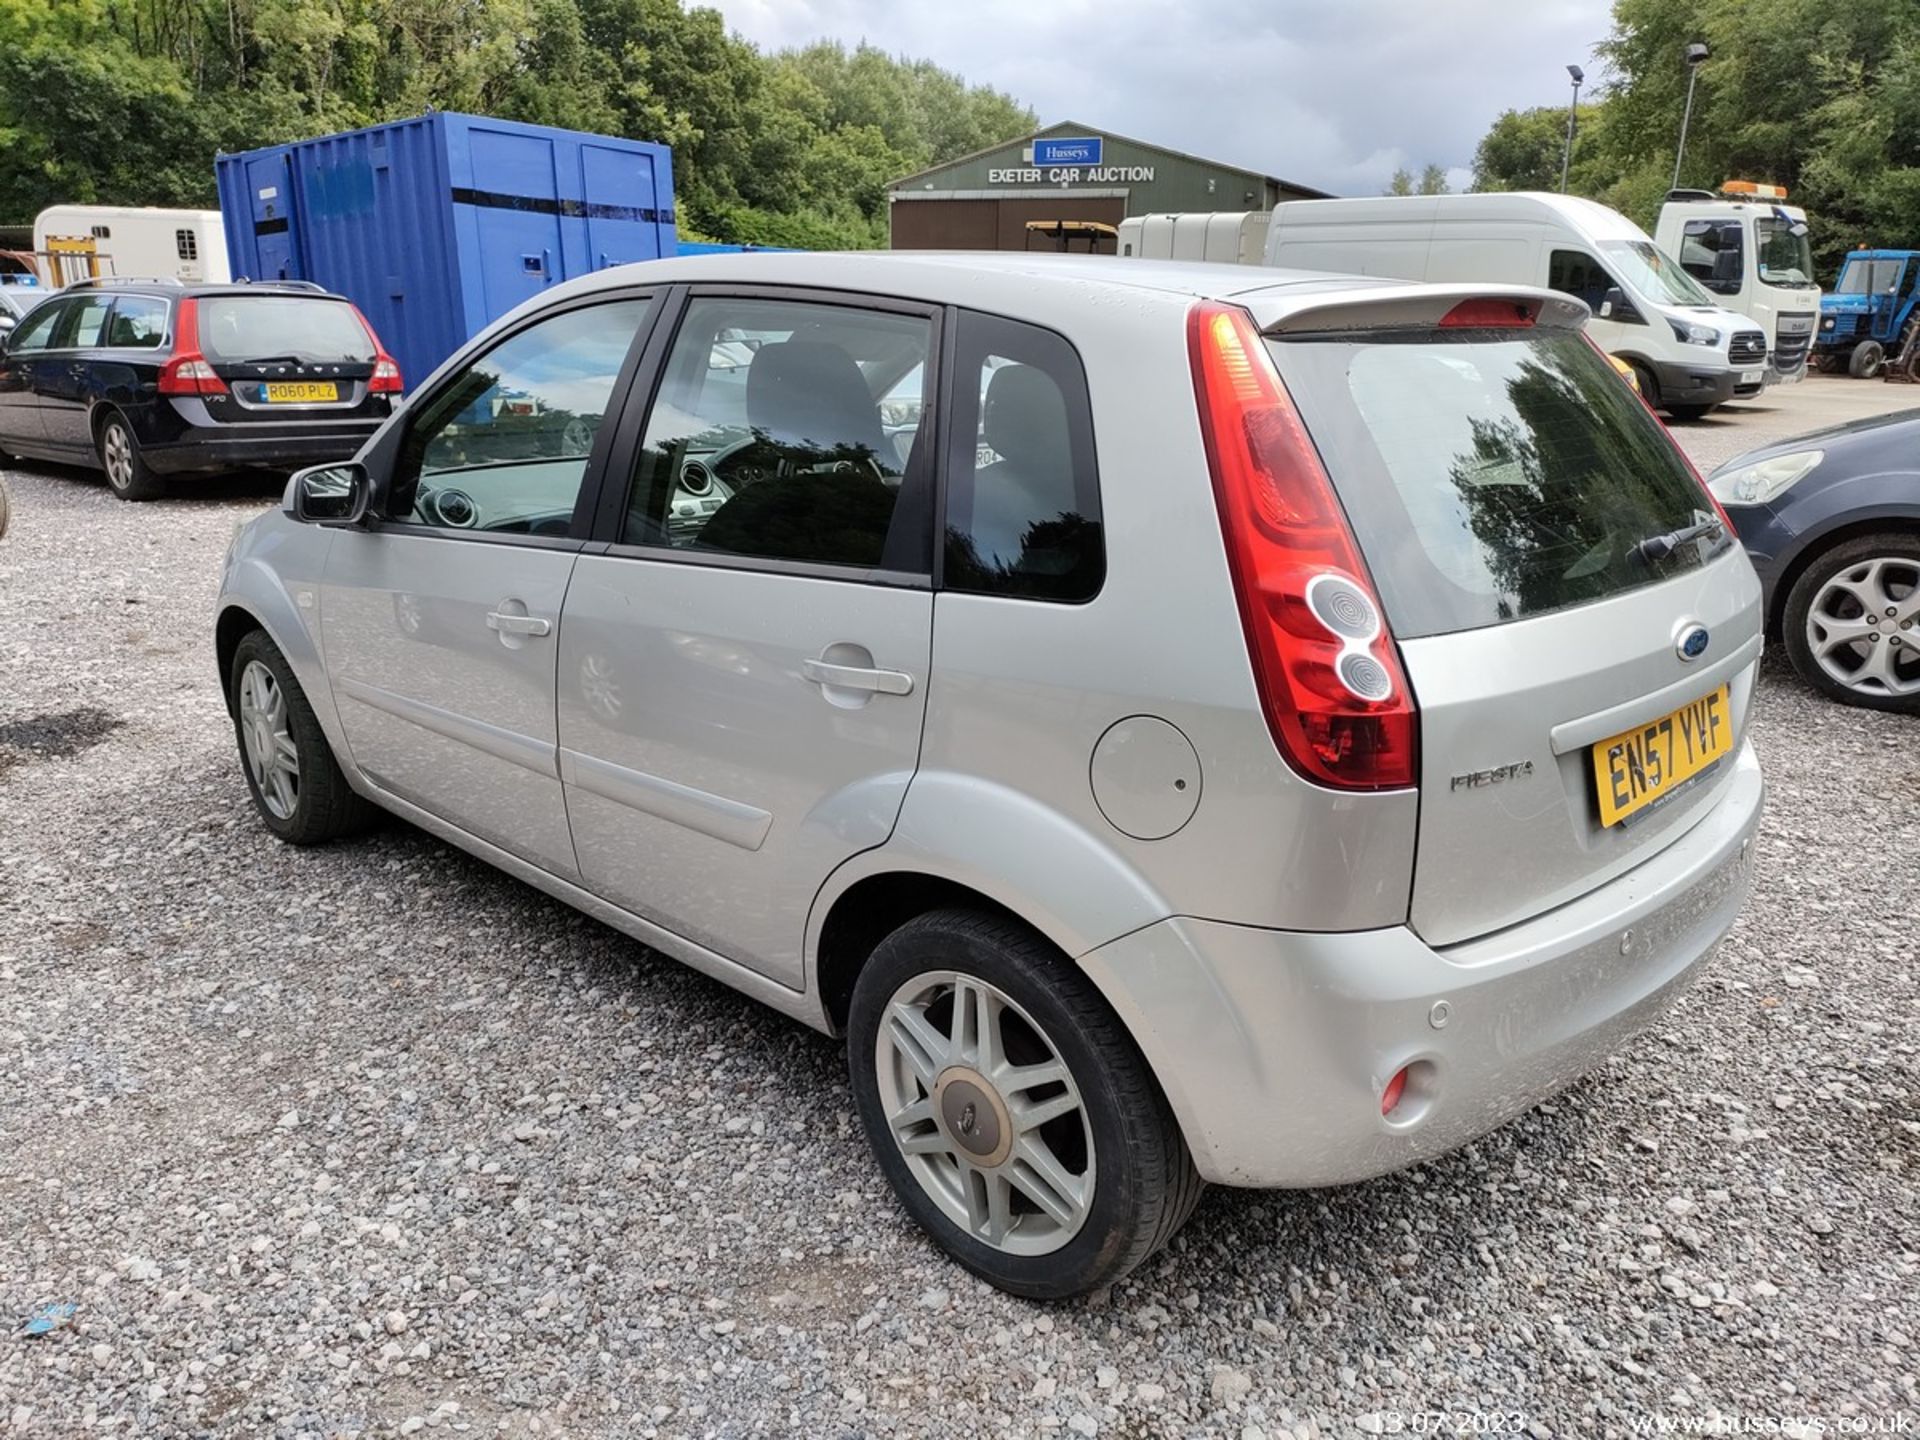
(518, 624)
(857, 677)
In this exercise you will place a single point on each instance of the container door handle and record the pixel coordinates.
(546, 266)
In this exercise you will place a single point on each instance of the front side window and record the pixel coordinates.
(139, 323)
(1576, 273)
(504, 444)
(88, 324)
(1710, 251)
(769, 437)
(36, 331)
(1023, 499)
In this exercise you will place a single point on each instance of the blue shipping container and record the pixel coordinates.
(437, 225)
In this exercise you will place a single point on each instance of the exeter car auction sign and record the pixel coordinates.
(1068, 161)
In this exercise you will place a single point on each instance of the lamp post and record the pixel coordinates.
(1573, 106)
(1696, 54)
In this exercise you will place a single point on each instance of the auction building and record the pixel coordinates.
(1066, 187)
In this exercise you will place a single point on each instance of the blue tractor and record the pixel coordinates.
(1870, 320)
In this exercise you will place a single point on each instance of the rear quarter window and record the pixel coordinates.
(1491, 476)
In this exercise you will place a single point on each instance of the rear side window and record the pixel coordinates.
(1023, 498)
(139, 323)
(89, 323)
(1491, 475)
(238, 329)
(768, 437)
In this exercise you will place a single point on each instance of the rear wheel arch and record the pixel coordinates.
(871, 909)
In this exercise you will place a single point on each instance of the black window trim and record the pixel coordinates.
(645, 393)
(949, 407)
(385, 452)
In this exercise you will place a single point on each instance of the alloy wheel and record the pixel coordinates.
(986, 1113)
(273, 758)
(116, 453)
(1863, 627)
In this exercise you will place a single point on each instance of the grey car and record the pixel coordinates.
(1237, 726)
(1831, 522)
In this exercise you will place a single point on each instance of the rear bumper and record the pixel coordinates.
(1274, 1046)
(258, 447)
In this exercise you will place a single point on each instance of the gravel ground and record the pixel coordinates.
(372, 1140)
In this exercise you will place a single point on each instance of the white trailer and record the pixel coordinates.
(185, 245)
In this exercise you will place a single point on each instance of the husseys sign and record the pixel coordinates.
(1068, 160)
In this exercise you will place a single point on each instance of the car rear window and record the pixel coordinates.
(1491, 475)
(235, 329)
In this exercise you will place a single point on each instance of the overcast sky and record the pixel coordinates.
(1334, 93)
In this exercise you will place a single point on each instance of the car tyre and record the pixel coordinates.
(128, 475)
(1061, 1172)
(1838, 634)
(1689, 412)
(1649, 387)
(1864, 362)
(296, 784)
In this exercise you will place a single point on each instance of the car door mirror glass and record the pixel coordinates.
(330, 494)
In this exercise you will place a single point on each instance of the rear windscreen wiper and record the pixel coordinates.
(1658, 547)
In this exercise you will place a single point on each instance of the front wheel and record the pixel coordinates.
(126, 468)
(296, 783)
(1010, 1110)
(1852, 623)
(1865, 361)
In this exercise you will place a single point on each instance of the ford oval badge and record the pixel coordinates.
(1692, 642)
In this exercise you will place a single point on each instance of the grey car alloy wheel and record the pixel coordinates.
(985, 1113)
(1863, 627)
(272, 756)
(116, 455)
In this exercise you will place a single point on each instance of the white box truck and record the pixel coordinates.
(185, 245)
(1233, 237)
(1748, 248)
(1688, 353)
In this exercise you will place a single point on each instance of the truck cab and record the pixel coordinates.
(1749, 249)
(1868, 315)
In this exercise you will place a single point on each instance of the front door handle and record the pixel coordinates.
(857, 677)
(518, 624)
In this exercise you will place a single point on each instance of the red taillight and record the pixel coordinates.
(1329, 677)
(1491, 315)
(385, 379)
(187, 371)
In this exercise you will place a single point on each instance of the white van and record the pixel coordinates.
(185, 245)
(1232, 237)
(1688, 353)
(1749, 248)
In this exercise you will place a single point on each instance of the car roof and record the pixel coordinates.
(948, 275)
(168, 288)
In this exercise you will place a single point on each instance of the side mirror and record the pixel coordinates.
(334, 495)
(1614, 299)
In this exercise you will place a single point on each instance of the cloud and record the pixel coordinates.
(1333, 93)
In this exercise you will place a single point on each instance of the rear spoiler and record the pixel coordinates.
(1284, 311)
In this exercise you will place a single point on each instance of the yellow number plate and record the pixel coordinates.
(1634, 769)
(305, 392)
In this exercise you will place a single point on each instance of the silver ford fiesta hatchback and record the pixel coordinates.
(1178, 723)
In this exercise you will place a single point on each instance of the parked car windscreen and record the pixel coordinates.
(1784, 258)
(1493, 475)
(236, 329)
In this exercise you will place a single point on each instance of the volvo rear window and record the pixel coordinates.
(1493, 475)
(238, 329)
